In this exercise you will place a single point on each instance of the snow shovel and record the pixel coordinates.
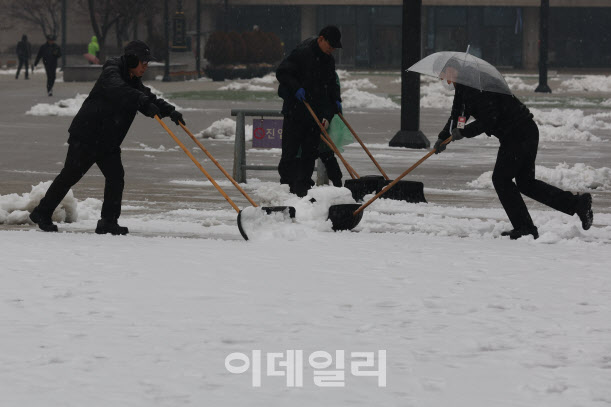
(409, 191)
(346, 216)
(268, 209)
(366, 184)
(290, 210)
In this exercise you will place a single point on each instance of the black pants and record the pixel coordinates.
(22, 62)
(78, 161)
(50, 69)
(297, 172)
(517, 160)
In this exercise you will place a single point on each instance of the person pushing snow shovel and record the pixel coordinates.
(307, 74)
(97, 131)
(482, 93)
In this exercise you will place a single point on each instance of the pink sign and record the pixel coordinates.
(267, 133)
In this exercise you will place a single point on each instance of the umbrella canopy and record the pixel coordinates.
(462, 68)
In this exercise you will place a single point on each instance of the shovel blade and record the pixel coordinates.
(342, 216)
(365, 185)
(250, 219)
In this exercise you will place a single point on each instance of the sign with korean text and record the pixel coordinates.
(267, 133)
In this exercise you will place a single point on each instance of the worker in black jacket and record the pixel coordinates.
(50, 53)
(307, 74)
(505, 117)
(97, 131)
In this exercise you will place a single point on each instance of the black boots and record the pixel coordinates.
(583, 209)
(110, 226)
(44, 222)
(333, 171)
(522, 231)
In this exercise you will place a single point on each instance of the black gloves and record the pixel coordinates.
(457, 134)
(150, 110)
(438, 146)
(143, 100)
(177, 117)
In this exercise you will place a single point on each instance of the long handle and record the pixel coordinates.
(363, 145)
(218, 165)
(387, 187)
(197, 163)
(330, 142)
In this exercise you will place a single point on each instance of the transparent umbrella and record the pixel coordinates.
(463, 68)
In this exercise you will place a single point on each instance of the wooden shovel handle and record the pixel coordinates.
(387, 187)
(218, 165)
(197, 164)
(363, 145)
(330, 142)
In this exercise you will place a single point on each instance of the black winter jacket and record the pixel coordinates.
(309, 68)
(24, 50)
(108, 112)
(49, 54)
(496, 114)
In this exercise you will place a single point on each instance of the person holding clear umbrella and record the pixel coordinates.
(482, 93)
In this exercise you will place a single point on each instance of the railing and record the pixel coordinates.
(239, 148)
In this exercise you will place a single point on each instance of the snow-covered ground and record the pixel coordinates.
(466, 317)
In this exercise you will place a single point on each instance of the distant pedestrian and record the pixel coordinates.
(505, 117)
(50, 53)
(93, 48)
(24, 53)
(97, 131)
(307, 74)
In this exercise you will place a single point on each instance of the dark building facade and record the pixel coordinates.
(505, 33)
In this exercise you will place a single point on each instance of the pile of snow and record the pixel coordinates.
(580, 177)
(311, 214)
(15, 209)
(435, 94)
(516, 83)
(71, 106)
(568, 125)
(587, 83)
(354, 98)
(269, 79)
(358, 84)
(342, 74)
(246, 86)
(64, 107)
(224, 129)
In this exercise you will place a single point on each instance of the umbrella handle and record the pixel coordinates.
(218, 165)
(387, 187)
(197, 164)
(363, 145)
(330, 143)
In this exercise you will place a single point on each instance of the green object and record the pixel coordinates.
(339, 133)
(93, 47)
